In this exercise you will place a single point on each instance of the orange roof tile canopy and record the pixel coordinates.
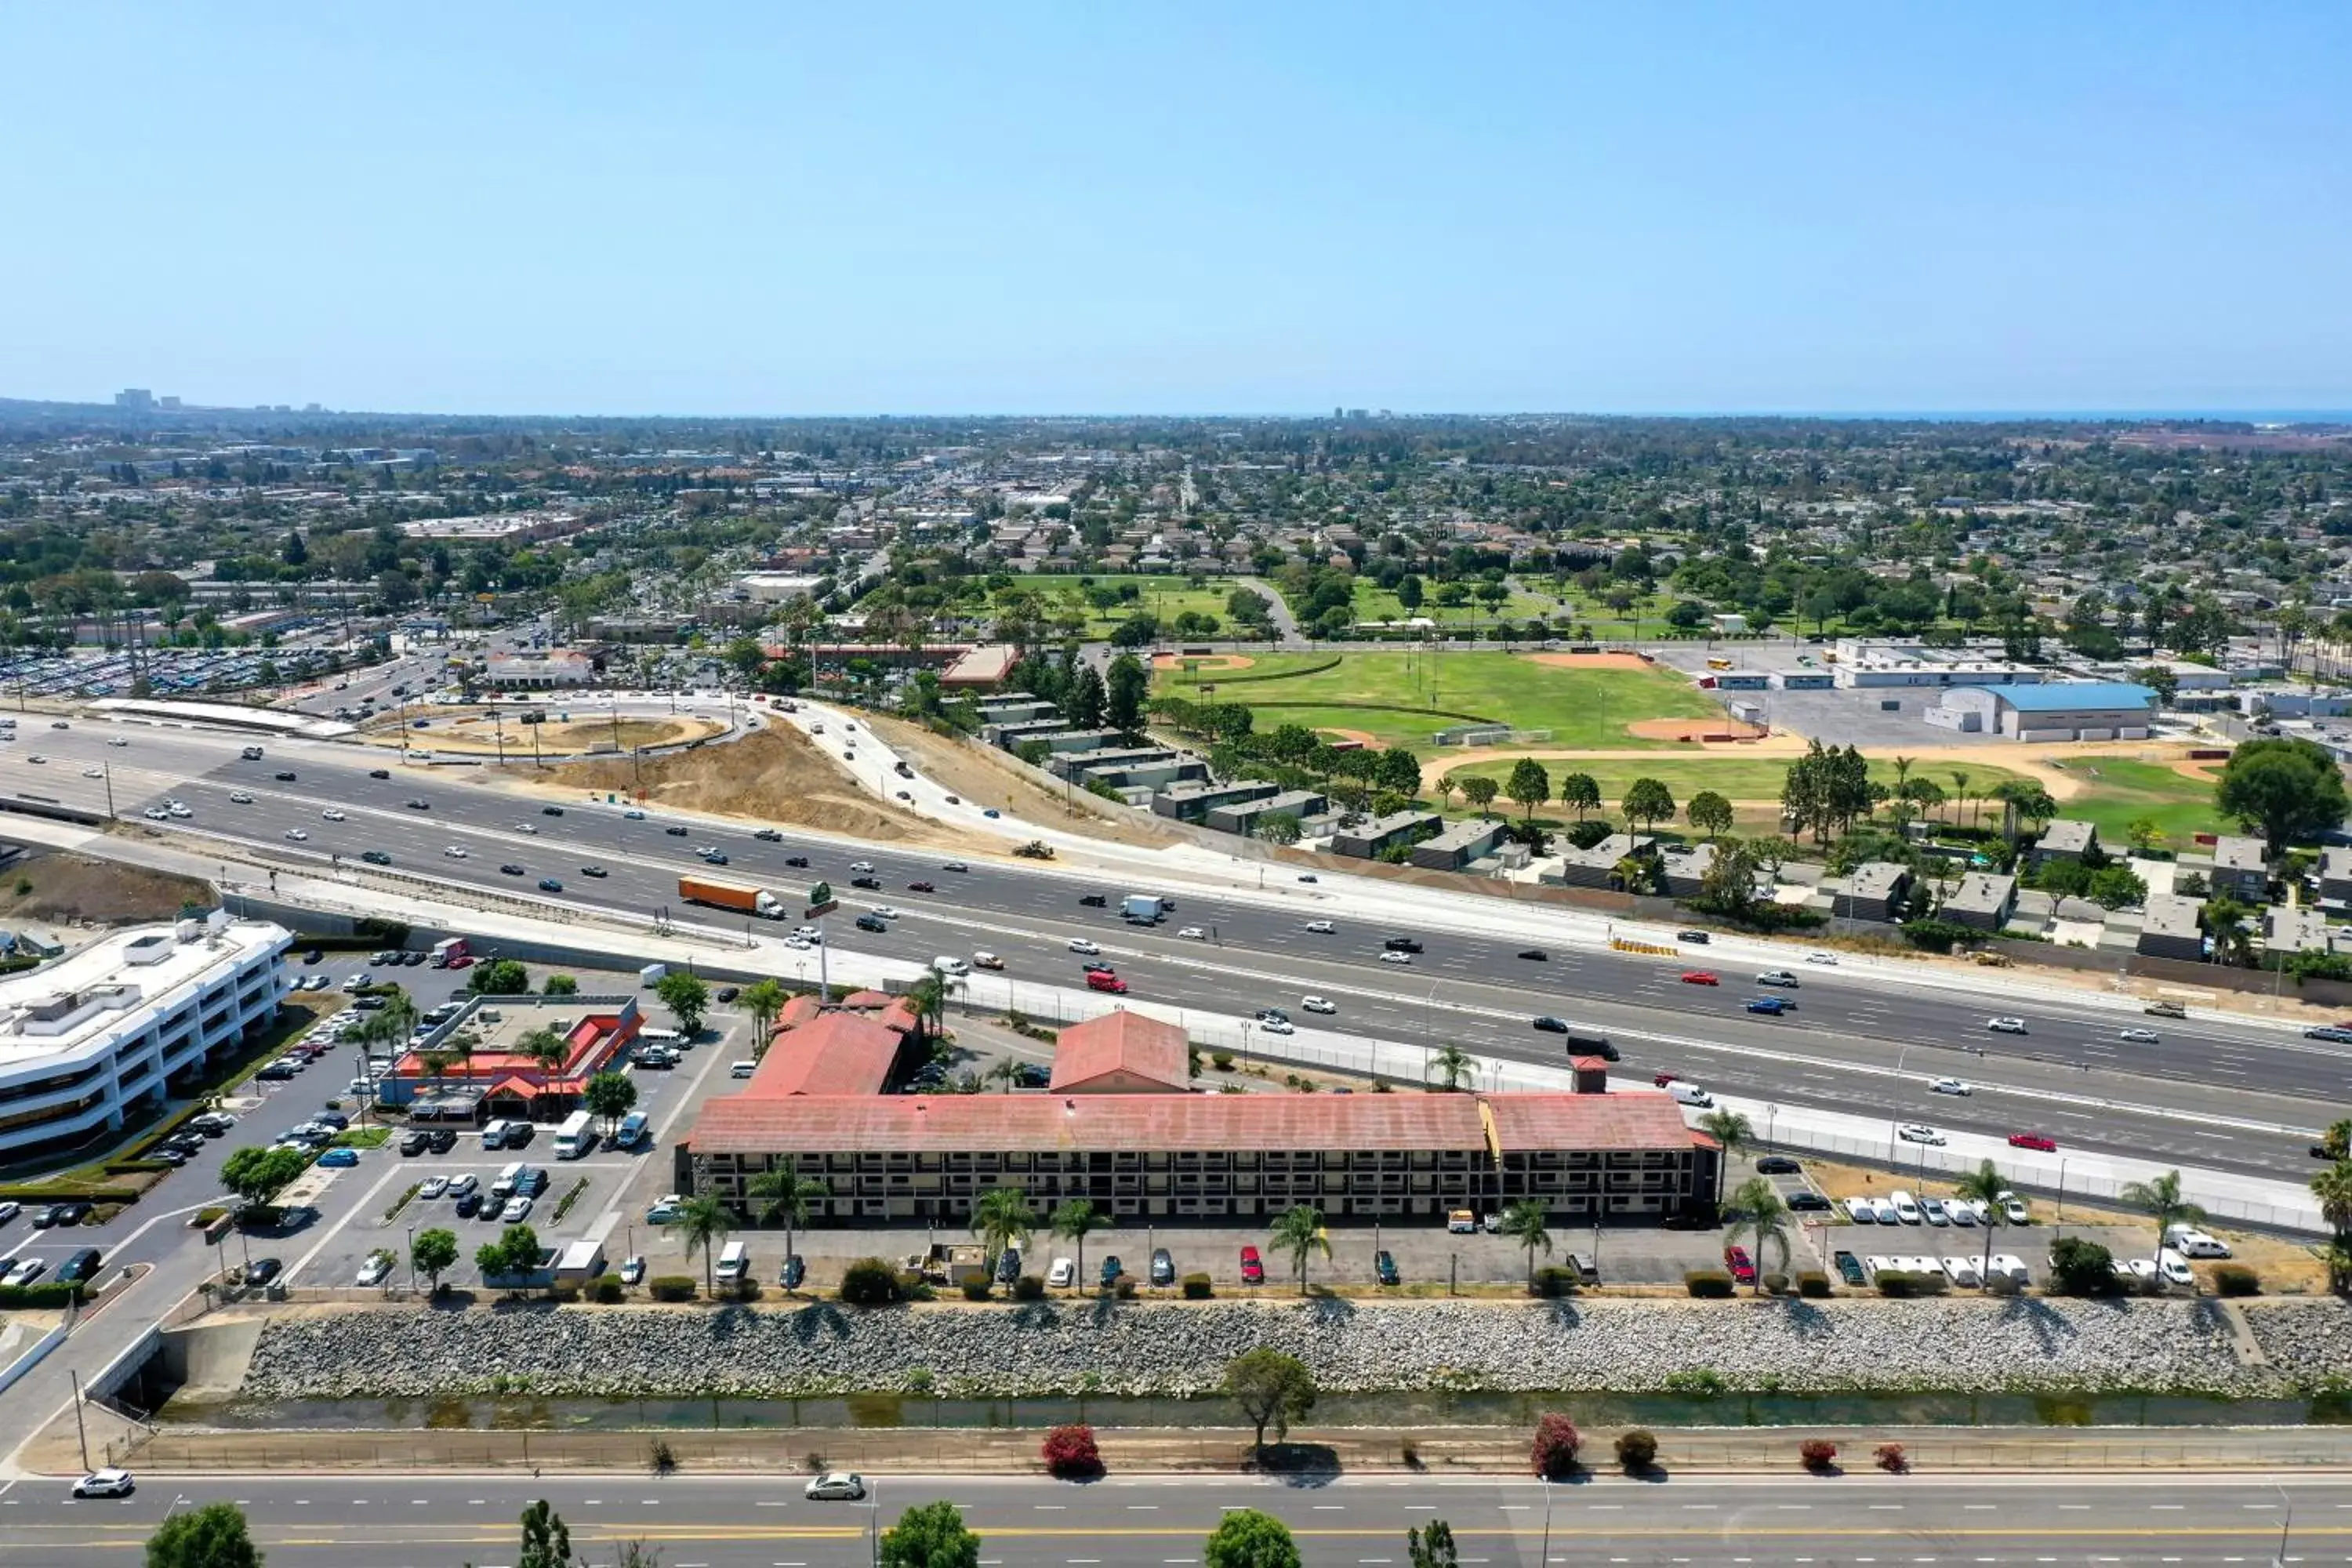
(840, 1053)
(1122, 1053)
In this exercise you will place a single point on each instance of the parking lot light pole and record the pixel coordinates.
(412, 1259)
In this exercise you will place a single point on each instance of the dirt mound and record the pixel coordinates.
(65, 886)
(986, 776)
(1590, 660)
(776, 775)
(1370, 742)
(1202, 661)
(1694, 730)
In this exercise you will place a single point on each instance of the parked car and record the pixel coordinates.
(1742, 1267)
(1385, 1269)
(1253, 1266)
(1062, 1275)
(1110, 1271)
(339, 1158)
(1163, 1267)
(1777, 1165)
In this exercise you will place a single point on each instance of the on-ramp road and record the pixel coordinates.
(378, 1520)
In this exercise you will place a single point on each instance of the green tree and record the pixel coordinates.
(1734, 1132)
(1580, 793)
(2285, 789)
(546, 1542)
(1000, 1219)
(434, 1253)
(703, 1224)
(1709, 812)
(1276, 827)
(781, 1193)
(1273, 1390)
(516, 1251)
(1985, 1185)
(1480, 793)
(499, 977)
(610, 1095)
(1523, 1222)
(687, 997)
(1758, 1210)
(2333, 1190)
(560, 986)
(1432, 1547)
(2144, 834)
(546, 1047)
(929, 1535)
(1647, 802)
(2338, 1139)
(1529, 785)
(1124, 692)
(257, 1175)
(213, 1536)
(1072, 1222)
(2161, 1199)
(1245, 1538)
(928, 997)
(1299, 1231)
(1452, 1066)
(764, 999)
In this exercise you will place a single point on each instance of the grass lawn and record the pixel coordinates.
(1733, 776)
(1404, 690)
(1374, 602)
(2120, 792)
(1165, 597)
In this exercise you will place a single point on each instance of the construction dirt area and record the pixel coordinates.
(985, 776)
(775, 775)
(76, 890)
(477, 732)
(1590, 660)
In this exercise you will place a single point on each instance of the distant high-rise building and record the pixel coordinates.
(1339, 413)
(170, 401)
(135, 397)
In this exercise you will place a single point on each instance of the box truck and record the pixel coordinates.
(1142, 908)
(733, 896)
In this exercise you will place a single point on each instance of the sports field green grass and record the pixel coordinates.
(2119, 793)
(1724, 771)
(1165, 597)
(1374, 602)
(1409, 696)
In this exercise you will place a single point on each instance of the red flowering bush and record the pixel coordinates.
(1070, 1454)
(1557, 1441)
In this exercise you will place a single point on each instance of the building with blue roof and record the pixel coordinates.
(2058, 710)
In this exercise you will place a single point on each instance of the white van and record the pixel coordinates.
(952, 966)
(2007, 1266)
(734, 1264)
(494, 1134)
(1907, 1207)
(743, 1069)
(1689, 1094)
(509, 1179)
(669, 1037)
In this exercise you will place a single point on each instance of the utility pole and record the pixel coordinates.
(81, 1432)
(109, 768)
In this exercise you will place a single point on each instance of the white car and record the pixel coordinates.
(156, 814)
(1780, 977)
(1950, 1086)
(330, 814)
(808, 933)
(633, 1269)
(93, 773)
(1320, 928)
(864, 866)
(517, 1210)
(1861, 1211)
(24, 1274)
(454, 851)
(239, 797)
(836, 1486)
(1277, 1027)
(376, 1269)
(797, 943)
(1193, 934)
(1086, 945)
(2139, 1036)
(1318, 1005)
(1963, 1270)
(2006, 1026)
(118, 741)
(526, 827)
(1403, 958)
(1961, 1213)
(2173, 1268)
(298, 836)
(885, 912)
(1063, 1274)
(104, 1483)
(1818, 956)
(178, 809)
(433, 1187)
(2193, 1243)
(2013, 1209)
(1918, 1132)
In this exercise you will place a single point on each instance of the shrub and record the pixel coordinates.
(1711, 1284)
(605, 1289)
(1125, 1288)
(1812, 1283)
(2237, 1279)
(1557, 1441)
(566, 1292)
(2081, 1268)
(1198, 1288)
(660, 1457)
(1900, 1283)
(1029, 1287)
(1637, 1449)
(671, 1287)
(1070, 1454)
(1552, 1279)
(976, 1291)
(1890, 1458)
(1819, 1453)
(1777, 1283)
(869, 1282)
(1222, 1060)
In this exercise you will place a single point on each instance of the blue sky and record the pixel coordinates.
(1015, 208)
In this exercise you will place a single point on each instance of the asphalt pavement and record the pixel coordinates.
(377, 1520)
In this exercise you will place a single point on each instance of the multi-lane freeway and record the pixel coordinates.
(2217, 1092)
(377, 1520)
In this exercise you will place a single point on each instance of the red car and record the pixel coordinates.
(2041, 1140)
(1662, 1079)
(921, 888)
(1253, 1266)
(1110, 982)
(1743, 1268)
(1700, 977)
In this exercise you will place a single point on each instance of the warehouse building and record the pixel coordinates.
(2066, 710)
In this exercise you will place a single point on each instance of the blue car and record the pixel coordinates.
(340, 1157)
(1772, 1007)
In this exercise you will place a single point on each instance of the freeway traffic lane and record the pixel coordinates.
(375, 1521)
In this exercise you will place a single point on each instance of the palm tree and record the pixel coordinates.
(1759, 1211)
(1734, 1132)
(2161, 1199)
(781, 1193)
(1452, 1066)
(1523, 1222)
(1985, 1184)
(928, 997)
(1000, 1219)
(704, 1224)
(1960, 796)
(1298, 1230)
(2338, 1139)
(1005, 1071)
(2332, 1188)
(1071, 1221)
(1448, 783)
(546, 1047)
(764, 999)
